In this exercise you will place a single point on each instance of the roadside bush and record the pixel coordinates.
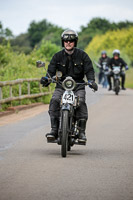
(15, 65)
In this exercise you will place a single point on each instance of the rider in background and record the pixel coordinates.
(116, 60)
(103, 70)
(73, 62)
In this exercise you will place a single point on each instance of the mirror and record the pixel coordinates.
(39, 64)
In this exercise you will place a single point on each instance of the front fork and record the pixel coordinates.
(116, 82)
(71, 122)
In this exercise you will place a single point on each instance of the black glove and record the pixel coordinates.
(44, 81)
(93, 85)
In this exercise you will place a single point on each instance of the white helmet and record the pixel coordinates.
(116, 51)
(69, 35)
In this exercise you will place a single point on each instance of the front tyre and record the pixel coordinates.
(117, 87)
(64, 138)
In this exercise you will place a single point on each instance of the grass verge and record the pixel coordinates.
(129, 78)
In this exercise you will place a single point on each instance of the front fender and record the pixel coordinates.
(66, 107)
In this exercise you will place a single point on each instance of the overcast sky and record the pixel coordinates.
(18, 14)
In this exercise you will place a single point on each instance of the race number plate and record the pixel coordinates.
(68, 97)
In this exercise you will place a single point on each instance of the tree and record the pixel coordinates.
(47, 49)
(1, 30)
(44, 30)
(53, 34)
(98, 26)
(8, 33)
(36, 31)
(94, 27)
(116, 39)
(21, 43)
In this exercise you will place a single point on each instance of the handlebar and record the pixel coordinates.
(55, 79)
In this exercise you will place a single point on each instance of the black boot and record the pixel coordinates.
(54, 129)
(122, 86)
(123, 82)
(110, 84)
(110, 88)
(82, 127)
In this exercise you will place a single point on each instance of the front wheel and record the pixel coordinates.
(117, 87)
(64, 138)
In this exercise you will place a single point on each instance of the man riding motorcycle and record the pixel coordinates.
(103, 60)
(116, 60)
(73, 62)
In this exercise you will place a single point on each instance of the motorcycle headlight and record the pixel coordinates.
(116, 70)
(69, 83)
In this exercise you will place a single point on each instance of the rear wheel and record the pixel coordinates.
(64, 138)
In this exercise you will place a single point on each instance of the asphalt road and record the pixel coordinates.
(31, 169)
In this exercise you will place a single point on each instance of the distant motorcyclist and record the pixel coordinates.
(73, 62)
(103, 60)
(116, 60)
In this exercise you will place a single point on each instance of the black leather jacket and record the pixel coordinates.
(103, 61)
(77, 65)
(119, 62)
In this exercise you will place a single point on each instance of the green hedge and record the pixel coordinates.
(15, 65)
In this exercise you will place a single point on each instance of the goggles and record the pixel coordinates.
(69, 37)
(71, 41)
(116, 54)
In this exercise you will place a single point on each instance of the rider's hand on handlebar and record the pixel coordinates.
(93, 85)
(126, 68)
(44, 81)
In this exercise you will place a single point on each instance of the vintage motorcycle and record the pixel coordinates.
(68, 131)
(116, 79)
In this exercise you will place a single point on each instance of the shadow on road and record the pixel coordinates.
(86, 153)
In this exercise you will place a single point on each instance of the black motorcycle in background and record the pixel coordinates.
(116, 79)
